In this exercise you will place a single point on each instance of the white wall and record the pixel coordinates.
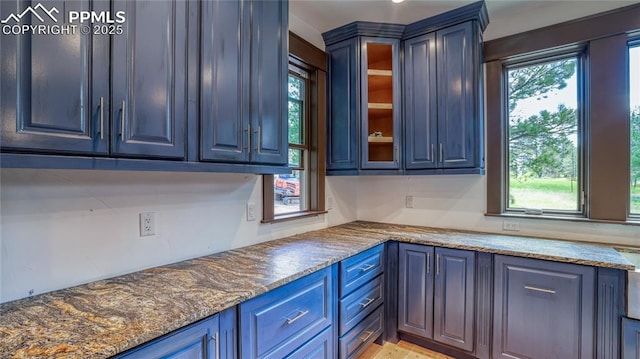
(459, 201)
(62, 228)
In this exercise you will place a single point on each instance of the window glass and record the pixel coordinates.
(634, 92)
(291, 191)
(544, 137)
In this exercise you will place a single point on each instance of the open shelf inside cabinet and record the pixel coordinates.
(380, 102)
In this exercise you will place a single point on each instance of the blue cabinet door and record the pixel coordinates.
(224, 81)
(415, 287)
(149, 84)
(543, 309)
(459, 118)
(344, 91)
(269, 79)
(454, 298)
(54, 94)
(420, 103)
(630, 339)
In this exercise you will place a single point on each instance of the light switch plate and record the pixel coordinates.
(251, 212)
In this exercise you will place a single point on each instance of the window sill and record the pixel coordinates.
(293, 216)
(630, 221)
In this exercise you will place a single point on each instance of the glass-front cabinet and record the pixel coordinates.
(380, 104)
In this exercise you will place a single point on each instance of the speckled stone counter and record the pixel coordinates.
(106, 317)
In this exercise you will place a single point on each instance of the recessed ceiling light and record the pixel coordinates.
(397, 1)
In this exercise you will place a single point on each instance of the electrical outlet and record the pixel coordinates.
(329, 203)
(511, 226)
(251, 212)
(408, 201)
(147, 224)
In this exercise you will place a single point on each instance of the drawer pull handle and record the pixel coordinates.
(369, 334)
(367, 267)
(535, 289)
(301, 313)
(368, 301)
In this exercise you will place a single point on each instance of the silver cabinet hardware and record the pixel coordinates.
(301, 313)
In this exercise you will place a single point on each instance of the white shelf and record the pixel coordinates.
(372, 72)
(380, 139)
(380, 106)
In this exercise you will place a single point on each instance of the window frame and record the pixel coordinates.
(311, 60)
(546, 57)
(634, 42)
(606, 38)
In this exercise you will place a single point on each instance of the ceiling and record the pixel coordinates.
(310, 18)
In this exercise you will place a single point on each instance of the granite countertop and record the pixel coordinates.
(107, 317)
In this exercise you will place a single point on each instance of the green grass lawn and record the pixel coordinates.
(553, 193)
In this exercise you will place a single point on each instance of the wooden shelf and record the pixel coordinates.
(374, 72)
(380, 106)
(380, 139)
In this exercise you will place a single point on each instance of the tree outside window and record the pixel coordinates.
(544, 137)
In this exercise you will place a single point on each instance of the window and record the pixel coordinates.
(544, 137)
(292, 191)
(634, 96)
(301, 193)
(565, 145)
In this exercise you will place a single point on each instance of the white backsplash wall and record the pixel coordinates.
(60, 228)
(459, 201)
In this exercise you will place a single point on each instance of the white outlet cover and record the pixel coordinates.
(147, 224)
(511, 226)
(329, 202)
(409, 202)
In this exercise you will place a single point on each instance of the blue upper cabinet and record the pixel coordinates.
(225, 65)
(459, 111)
(149, 69)
(269, 79)
(244, 73)
(174, 83)
(423, 118)
(343, 125)
(443, 83)
(364, 128)
(420, 101)
(54, 101)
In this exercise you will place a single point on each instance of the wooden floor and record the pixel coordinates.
(401, 350)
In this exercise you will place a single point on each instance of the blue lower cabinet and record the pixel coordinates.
(361, 302)
(543, 309)
(366, 332)
(357, 305)
(211, 338)
(630, 339)
(279, 322)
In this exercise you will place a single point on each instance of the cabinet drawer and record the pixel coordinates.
(354, 342)
(275, 323)
(320, 347)
(359, 269)
(357, 305)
